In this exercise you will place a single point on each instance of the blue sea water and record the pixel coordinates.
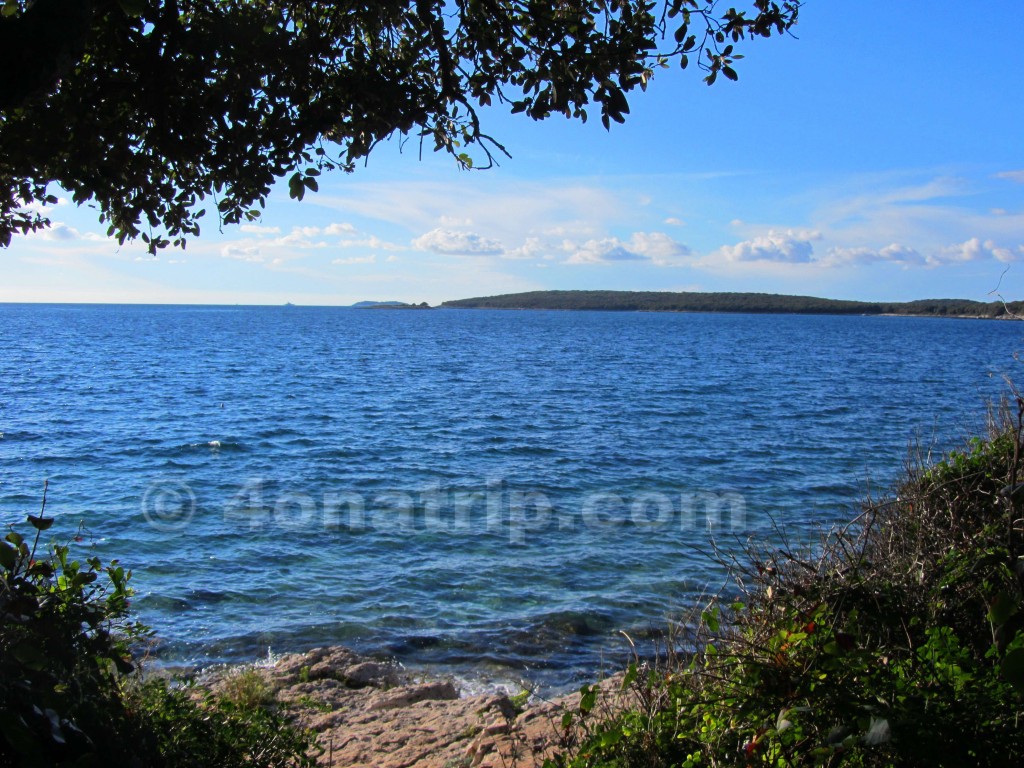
(494, 493)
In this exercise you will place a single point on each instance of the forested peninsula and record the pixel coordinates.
(761, 303)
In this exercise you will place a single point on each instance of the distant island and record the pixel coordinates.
(757, 303)
(389, 305)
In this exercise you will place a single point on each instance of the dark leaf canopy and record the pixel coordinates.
(155, 110)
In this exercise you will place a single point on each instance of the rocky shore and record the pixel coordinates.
(372, 714)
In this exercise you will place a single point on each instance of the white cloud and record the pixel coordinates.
(301, 237)
(672, 221)
(794, 247)
(1017, 176)
(37, 206)
(532, 248)
(659, 248)
(893, 254)
(975, 250)
(455, 243)
(60, 231)
(371, 259)
(371, 242)
(506, 211)
(339, 229)
(604, 251)
(787, 247)
(655, 247)
(242, 252)
(259, 229)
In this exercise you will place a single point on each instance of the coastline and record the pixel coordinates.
(738, 303)
(922, 315)
(376, 714)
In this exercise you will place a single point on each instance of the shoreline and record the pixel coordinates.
(737, 303)
(616, 310)
(473, 678)
(369, 713)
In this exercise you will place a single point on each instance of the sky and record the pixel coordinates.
(878, 154)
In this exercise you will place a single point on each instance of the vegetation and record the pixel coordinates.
(758, 303)
(900, 642)
(146, 108)
(70, 691)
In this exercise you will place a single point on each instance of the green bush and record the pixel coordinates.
(189, 728)
(898, 642)
(71, 693)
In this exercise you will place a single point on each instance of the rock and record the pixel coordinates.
(371, 673)
(409, 695)
(498, 728)
(369, 714)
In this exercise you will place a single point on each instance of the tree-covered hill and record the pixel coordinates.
(766, 303)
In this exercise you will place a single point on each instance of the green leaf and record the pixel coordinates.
(630, 676)
(133, 8)
(610, 738)
(8, 556)
(588, 698)
(29, 655)
(710, 618)
(296, 187)
(41, 568)
(1012, 668)
(1002, 609)
(24, 741)
(40, 523)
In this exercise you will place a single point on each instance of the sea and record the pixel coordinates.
(525, 496)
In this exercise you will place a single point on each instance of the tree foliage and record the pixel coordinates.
(752, 303)
(146, 109)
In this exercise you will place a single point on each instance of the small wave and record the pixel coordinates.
(213, 446)
(574, 623)
(162, 603)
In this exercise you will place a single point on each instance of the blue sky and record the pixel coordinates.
(878, 156)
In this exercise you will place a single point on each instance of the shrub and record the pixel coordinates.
(900, 641)
(64, 635)
(246, 689)
(188, 728)
(70, 691)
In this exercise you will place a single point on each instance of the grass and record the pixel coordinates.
(246, 689)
